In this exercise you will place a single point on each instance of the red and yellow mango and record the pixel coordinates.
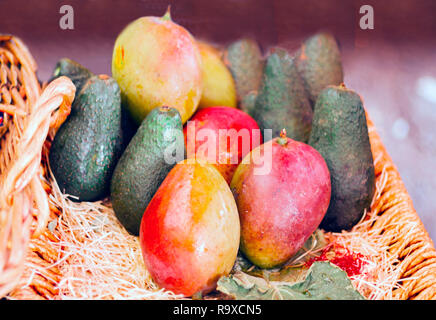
(190, 230)
(222, 136)
(282, 190)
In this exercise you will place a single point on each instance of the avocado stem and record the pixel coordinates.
(167, 15)
(283, 140)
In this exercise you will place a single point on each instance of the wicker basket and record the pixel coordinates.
(29, 118)
(29, 256)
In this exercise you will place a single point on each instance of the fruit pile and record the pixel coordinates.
(212, 155)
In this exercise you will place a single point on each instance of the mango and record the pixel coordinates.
(282, 190)
(222, 136)
(218, 85)
(156, 63)
(190, 231)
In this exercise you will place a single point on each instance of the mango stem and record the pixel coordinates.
(167, 15)
(283, 140)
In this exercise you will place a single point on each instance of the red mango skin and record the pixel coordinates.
(280, 210)
(229, 152)
(190, 231)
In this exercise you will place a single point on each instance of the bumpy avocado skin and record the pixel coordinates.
(282, 101)
(88, 144)
(143, 166)
(79, 75)
(73, 70)
(248, 102)
(244, 59)
(319, 64)
(340, 134)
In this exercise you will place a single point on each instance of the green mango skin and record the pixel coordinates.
(245, 61)
(282, 102)
(86, 147)
(319, 64)
(73, 70)
(142, 167)
(340, 134)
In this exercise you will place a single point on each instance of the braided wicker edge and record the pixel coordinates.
(19, 91)
(24, 206)
(401, 229)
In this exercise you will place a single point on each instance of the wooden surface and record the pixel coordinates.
(393, 66)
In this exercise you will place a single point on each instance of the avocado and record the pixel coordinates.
(73, 70)
(79, 75)
(340, 134)
(282, 102)
(248, 102)
(85, 149)
(128, 125)
(319, 64)
(145, 163)
(244, 59)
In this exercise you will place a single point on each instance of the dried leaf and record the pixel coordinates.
(324, 281)
(310, 249)
(289, 274)
(294, 270)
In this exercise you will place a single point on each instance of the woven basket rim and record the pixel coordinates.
(32, 116)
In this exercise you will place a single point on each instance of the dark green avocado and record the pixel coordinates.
(87, 146)
(79, 75)
(248, 103)
(340, 134)
(245, 62)
(282, 102)
(73, 70)
(319, 64)
(155, 148)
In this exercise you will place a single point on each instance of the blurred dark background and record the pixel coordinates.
(393, 66)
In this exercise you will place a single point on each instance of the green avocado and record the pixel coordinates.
(248, 102)
(319, 64)
(79, 75)
(244, 59)
(282, 101)
(340, 134)
(155, 148)
(88, 144)
(73, 70)
(128, 125)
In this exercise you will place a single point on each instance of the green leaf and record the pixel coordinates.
(324, 281)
